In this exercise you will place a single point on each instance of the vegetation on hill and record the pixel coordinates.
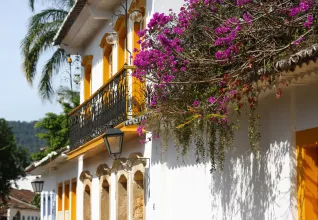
(25, 135)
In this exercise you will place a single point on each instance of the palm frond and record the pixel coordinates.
(67, 4)
(32, 56)
(47, 16)
(51, 67)
(42, 28)
(41, 31)
(35, 33)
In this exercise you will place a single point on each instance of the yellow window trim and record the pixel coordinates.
(305, 138)
(87, 59)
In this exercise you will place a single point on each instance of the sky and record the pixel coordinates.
(19, 100)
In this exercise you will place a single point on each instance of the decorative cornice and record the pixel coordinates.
(103, 170)
(103, 41)
(85, 175)
(87, 59)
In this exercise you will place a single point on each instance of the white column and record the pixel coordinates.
(149, 203)
(53, 206)
(113, 202)
(42, 208)
(79, 190)
(46, 204)
(95, 199)
(70, 201)
(129, 194)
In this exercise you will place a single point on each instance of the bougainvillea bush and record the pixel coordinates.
(205, 63)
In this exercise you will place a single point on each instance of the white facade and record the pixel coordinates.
(180, 189)
(23, 183)
(25, 214)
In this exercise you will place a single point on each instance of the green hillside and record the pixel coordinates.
(25, 135)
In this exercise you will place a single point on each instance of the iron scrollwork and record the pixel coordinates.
(107, 106)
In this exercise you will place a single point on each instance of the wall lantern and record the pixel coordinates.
(113, 139)
(37, 185)
(112, 38)
(77, 78)
(136, 16)
(60, 97)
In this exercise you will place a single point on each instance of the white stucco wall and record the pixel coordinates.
(25, 213)
(24, 183)
(248, 188)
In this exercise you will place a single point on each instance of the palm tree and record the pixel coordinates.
(41, 30)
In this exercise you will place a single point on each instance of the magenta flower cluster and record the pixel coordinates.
(164, 50)
(227, 33)
(303, 6)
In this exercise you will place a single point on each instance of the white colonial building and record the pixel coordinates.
(84, 182)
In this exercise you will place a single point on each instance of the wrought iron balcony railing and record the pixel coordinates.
(107, 106)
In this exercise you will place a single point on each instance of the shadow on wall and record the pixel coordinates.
(249, 188)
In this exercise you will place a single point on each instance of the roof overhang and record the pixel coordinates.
(299, 69)
(82, 22)
(51, 161)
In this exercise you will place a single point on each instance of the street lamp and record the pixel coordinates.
(60, 97)
(113, 139)
(112, 38)
(77, 78)
(136, 16)
(37, 185)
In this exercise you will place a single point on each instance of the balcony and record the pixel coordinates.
(112, 104)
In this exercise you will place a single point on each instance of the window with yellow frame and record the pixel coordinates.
(87, 64)
(138, 88)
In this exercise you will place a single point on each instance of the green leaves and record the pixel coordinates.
(13, 159)
(56, 126)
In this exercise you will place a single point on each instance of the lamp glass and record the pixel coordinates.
(136, 16)
(113, 139)
(37, 185)
(60, 97)
(77, 78)
(112, 38)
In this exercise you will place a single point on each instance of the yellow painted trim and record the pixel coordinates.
(60, 197)
(87, 64)
(121, 47)
(138, 88)
(120, 23)
(66, 196)
(73, 201)
(97, 141)
(86, 147)
(138, 4)
(103, 41)
(305, 138)
(87, 59)
(106, 63)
